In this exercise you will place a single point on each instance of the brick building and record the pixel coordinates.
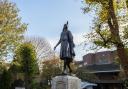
(103, 65)
(105, 57)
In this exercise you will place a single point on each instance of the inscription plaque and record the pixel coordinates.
(60, 85)
(66, 82)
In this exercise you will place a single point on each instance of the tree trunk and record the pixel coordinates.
(123, 59)
(27, 77)
(114, 29)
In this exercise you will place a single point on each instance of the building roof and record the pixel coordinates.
(102, 68)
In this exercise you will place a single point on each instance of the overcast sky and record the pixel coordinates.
(46, 19)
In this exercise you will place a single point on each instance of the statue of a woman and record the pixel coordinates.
(67, 47)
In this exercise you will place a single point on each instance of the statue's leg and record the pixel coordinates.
(64, 65)
(68, 64)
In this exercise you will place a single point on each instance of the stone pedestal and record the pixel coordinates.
(66, 82)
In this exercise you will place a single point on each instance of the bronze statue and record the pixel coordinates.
(67, 48)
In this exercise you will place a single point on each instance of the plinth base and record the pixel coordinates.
(66, 82)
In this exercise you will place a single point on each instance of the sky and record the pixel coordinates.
(45, 18)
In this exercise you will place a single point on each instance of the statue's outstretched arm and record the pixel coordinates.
(57, 44)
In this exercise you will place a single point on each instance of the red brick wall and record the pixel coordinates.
(100, 57)
(89, 58)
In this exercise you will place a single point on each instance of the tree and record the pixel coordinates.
(5, 81)
(107, 27)
(26, 53)
(15, 68)
(50, 69)
(11, 28)
(42, 47)
(3, 65)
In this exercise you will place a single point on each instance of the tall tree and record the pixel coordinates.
(26, 53)
(107, 27)
(11, 27)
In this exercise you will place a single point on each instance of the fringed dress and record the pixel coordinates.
(67, 46)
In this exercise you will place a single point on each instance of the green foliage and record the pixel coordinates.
(11, 27)
(102, 34)
(3, 65)
(84, 75)
(35, 85)
(26, 54)
(15, 69)
(125, 36)
(125, 83)
(15, 66)
(5, 82)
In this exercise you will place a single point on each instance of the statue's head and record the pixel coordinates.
(65, 28)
